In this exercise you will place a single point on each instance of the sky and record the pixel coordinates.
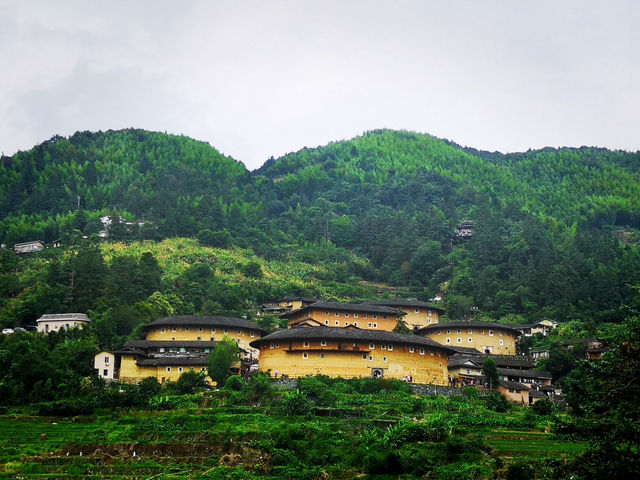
(257, 79)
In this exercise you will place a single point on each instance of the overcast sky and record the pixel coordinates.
(262, 78)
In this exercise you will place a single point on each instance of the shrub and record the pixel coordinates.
(235, 383)
(496, 402)
(544, 406)
(296, 403)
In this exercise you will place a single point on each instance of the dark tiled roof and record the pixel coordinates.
(467, 350)
(506, 361)
(459, 360)
(205, 321)
(300, 299)
(535, 393)
(401, 302)
(169, 343)
(345, 307)
(523, 373)
(201, 361)
(68, 317)
(463, 325)
(513, 385)
(350, 335)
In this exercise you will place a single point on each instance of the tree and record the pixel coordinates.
(221, 359)
(490, 372)
(603, 395)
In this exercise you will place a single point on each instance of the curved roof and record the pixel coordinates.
(348, 334)
(463, 325)
(205, 321)
(401, 302)
(64, 317)
(347, 307)
(169, 343)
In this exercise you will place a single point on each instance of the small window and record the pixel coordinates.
(252, 334)
(459, 340)
(383, 346)
(355, 324)
(459, 331)
(226, 330)
(384, 317)
(202, 369)
(375, 317)
(162, 330)
(470, 332)
(105, 373)
(412, 349)
(500, 332)
(322, 355)
(106, 360)
(168, 369)
(200, 329)
(364, 315)
(482, 331)
(180, 369)
(213, 330)
(337, 314)
(323, 343)
(375, 325)
(470, 339)
(346, 324)
(271, 345)
(346, 315)
(429, 321)
(371, 358)
(501, 342)
(305, 355)
(417, 310)
(429, 312)
(384, 359)
(187, 329)
(430, 352)
(364, 356)
(390, 347)
(173, 329)
(448, 340)
(238, 332)
(369, 324)
(372, 346)
(337, 323)
(491, 333)
(199, 338)
(305, 344)
(422, 351)
(326, 313)
(355, 315)
(326, 322)
(448, 332)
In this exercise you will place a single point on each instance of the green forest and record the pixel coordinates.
(152, 224)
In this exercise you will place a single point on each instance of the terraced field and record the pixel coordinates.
(203, 444)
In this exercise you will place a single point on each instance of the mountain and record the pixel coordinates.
(555, 230)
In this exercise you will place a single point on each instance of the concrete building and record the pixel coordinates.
(53, 322)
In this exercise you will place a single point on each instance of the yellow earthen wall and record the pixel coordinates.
(503, 343)
(421, 318)
(518, 396)
(430, 366)
(132, 373)
(205, 334)
(337, 318)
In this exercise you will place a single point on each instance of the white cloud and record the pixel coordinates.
(263, 78)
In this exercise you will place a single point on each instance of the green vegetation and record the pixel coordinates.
(324, 428)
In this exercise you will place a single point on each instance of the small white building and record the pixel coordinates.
(104, 364)
(29, 247)
(53, 322)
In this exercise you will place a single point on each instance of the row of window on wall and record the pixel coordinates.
(213, 330)
(305, 355)
(459, 340)
(372, 346)
(356, 315)
(470, 332)
(355, 324)
(180, 369)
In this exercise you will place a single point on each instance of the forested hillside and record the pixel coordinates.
(555, 230)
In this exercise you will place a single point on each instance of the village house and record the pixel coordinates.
(351, 352)
(543, 327)
(28, 247)
(177, 344)
(488, 338)
(53, 322)
(331, 314)
(417, 314)
(286, 304)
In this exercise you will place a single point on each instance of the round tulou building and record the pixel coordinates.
(352, 352)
